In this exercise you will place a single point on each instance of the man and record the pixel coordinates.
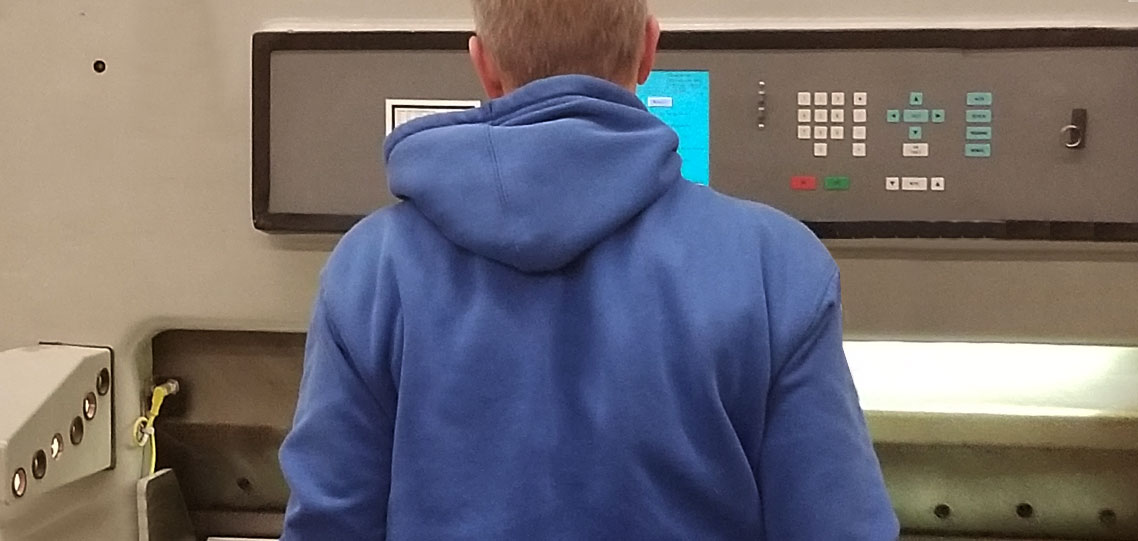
(555, 336)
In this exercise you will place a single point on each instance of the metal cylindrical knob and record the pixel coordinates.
(1074, 136)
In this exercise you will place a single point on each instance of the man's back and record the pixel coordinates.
(556, 336)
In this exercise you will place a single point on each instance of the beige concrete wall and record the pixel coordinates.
(124, 197)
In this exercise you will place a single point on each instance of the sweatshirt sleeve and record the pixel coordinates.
(817, 470)
(337, 458)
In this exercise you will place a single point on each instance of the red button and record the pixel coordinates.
(803, 184)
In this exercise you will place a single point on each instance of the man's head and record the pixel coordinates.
(521, 41)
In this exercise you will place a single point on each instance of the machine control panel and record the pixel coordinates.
(1006, 134)
(834, 128)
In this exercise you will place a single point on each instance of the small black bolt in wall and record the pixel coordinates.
(100, 66)
(1108, 517)
(244, 484)
(1025, 510)
(943, 511)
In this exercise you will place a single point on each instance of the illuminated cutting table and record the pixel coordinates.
(1006, 439)
(976, 441)
(999, 394)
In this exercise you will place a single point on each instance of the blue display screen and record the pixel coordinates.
(682, 99)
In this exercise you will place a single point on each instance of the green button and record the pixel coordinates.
(893, 116)
(975, 150)
(915, 133)
(979, 98)
(939, 116)
(837, 183)
(979, 133)
(978, 116)
(916, 98)
(916, 115)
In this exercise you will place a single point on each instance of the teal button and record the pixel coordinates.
(978, 116)
(979, 133)
(915, 133)
(893, 116)
(979, 98)
(939, 116)
(837, 184)
(976, 150)
(916, 115)
(916, 98)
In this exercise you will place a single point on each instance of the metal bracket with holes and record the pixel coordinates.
(56, 425)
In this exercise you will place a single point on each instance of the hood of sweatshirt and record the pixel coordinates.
(537, 178)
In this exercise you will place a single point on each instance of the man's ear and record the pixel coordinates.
(651, 43)
(487, 69)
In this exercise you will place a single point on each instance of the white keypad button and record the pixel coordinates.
(804, 99)
(821, 99)
(860, 116)
(859, 150)
(861, 98)
(915, 150)
(859, 133)
(837, 132)
(838, 99)
(915, 184)
(821, 150)
(838, 115)
(893, 184)
(804, 115)
(821, 115)
(938, 184)
(804, 132)
(821, 132)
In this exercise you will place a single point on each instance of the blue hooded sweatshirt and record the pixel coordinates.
(555, 336)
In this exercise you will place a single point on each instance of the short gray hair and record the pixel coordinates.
(535, 39)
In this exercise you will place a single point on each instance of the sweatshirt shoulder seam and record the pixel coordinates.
(338, 338)
(818, 307)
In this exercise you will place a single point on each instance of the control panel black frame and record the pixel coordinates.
(265, 43)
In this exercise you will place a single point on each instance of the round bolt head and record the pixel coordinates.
(56, 446)
(76, 431)
(39, 464)
(90, 406)
(103, 382)
(20, 483)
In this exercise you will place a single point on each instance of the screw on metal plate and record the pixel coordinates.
(76, 431)
(20, 483)
(103, 382)
(56, 446)
(39, 464)
(90, 406)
